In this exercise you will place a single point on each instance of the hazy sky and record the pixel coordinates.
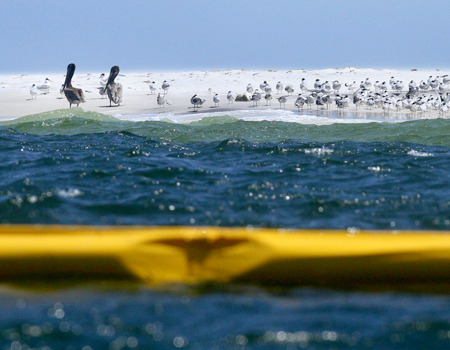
(40, 36)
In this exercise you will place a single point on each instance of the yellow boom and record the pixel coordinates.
(375, 260)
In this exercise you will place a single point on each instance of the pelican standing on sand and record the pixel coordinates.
(73, 95)
(114, 89)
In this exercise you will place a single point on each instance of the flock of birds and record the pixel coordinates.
(430, 94)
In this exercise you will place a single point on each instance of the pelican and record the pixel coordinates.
(165, 86)
(230, 97)
(197, 102)
(33, 91)
(113, 89)
(216, 100)
(44, 88)
(73, 95)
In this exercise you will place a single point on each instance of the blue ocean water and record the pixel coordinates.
(76, 167)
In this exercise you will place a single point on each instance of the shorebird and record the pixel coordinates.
(230, 97)
(336, 86)
(103, 80)
(197, 102)
(268, 89)
(289, 89)
(160, 100)
(300, 101)
(33, 91)
(282, 100)
(216, 100)
(249, 88)
(317, 84)
(165, 86)
(303, 85)
(152, 88)
(113, 89)
(279, 87)
(263, 85)
(73, 95)
(44, 88)
(268, 98)
(351, 86)
(256, 97)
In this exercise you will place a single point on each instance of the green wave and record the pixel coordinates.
(75, 121)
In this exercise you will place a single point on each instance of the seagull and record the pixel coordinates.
(44, 88)
(279, 87)
(113, 89)
(282, 100)
(197, 102)
(256, 97)
(152, 87)
(351, 86)
(263, 85)
(230, 97)
(216, 100)
(299, 102)
(303, 85)
(268, 98)
(73, 95)
(267, 89)
(249, 88)
(33, 91)
(289, 89)
(103, 80)
(165, 86)
(336, 86)
(317, 84)
(160, 100)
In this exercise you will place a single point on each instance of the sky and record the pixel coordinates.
(171, 35)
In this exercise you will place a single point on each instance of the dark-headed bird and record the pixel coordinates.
(114, 89)
(73, 95)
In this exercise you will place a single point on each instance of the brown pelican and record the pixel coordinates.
(113, 89)
(73, 95)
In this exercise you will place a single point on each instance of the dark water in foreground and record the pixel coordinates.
(83, 168)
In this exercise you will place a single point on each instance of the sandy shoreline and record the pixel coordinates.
(16, 101)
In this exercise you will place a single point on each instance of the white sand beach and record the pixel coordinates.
(16, 100)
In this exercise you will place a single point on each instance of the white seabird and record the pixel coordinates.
(152, 88)
(160, 100)
(197, 102)
(282, 100)
(249, 88)
(44, 88)
(216, 100)
(33, 91)
(165, 86)
(230, 97)
(279, 87)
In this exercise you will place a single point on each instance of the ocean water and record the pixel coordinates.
(260, 169)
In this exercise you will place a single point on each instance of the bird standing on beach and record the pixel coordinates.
(289, 89)
(268, 98)
(160, 100)
(249, 88)
(282, 100)
(279, 87)
(256, 97)
(165, 86)
(230, 97)
(44, 88)
(152, 88)
(197, 102)
(73, 95)
(103, 80)
(216, 100)
(113, 89)
(33, 91)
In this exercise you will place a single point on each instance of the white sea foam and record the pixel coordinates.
(247, 115)
(70, 193)
(420, 154)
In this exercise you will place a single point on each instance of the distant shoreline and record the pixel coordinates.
(16, 101)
